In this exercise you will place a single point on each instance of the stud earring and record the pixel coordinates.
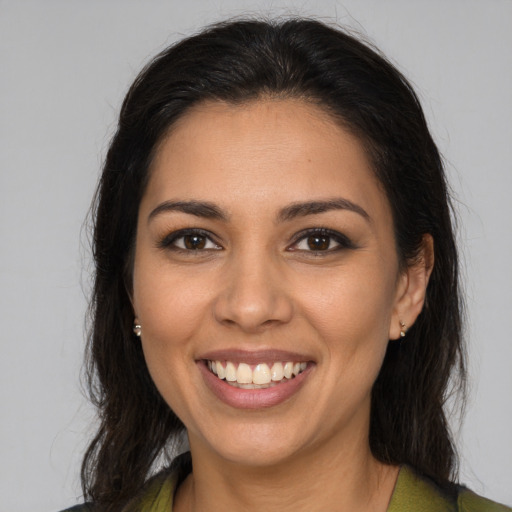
(403, 329)
(137, 328)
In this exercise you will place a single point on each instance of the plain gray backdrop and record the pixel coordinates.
(64, 68)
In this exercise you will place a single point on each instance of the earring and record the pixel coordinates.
(403, 329)
(137, 328)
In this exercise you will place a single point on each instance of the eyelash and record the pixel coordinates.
(342, 240)
(169, 241)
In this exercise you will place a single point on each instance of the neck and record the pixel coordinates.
(347, 479)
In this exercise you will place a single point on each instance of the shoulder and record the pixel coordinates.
(419, 493)
(157, 493)
(156, 496)
(468, 501)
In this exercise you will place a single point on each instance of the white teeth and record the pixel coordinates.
(244, 374)
(261, 374)
(230, 372)
(221, 372)
(276, 372)
(288, 370)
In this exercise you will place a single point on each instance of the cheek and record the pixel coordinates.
(350, 304)
(171, 308)
(170, 313)
(351, 312)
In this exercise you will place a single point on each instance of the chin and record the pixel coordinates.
(253, 445)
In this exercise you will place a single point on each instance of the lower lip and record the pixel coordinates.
(252, 398)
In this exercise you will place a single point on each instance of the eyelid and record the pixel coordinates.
(168, 241)
(342, 240)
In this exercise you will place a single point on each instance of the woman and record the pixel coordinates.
(276, 276)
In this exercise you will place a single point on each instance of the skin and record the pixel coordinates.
(257, 285)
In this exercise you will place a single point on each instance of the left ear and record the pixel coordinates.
(411, 289)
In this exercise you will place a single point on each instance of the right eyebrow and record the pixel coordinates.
(202, 209)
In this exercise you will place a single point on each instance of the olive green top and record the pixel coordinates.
(412, 493)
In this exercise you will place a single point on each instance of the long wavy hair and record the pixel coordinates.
(237, 62)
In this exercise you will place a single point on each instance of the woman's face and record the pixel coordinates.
(265, 247)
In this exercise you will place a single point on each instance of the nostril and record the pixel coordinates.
(252, 306)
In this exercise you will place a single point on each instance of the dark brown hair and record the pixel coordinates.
(237, 62)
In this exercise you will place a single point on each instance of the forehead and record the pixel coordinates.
(262, 152)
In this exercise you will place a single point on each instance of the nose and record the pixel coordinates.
(254, 296)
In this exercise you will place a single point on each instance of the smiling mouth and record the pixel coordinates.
(259, 376)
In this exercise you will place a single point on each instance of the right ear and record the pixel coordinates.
(412, 290)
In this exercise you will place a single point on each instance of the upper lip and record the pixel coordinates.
(253, 357)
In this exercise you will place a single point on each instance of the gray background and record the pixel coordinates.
(65, 66)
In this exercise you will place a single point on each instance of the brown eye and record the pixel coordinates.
(189, 240)
(194, 242)
(318, 242)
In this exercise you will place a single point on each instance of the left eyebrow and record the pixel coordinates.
(303, 209)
